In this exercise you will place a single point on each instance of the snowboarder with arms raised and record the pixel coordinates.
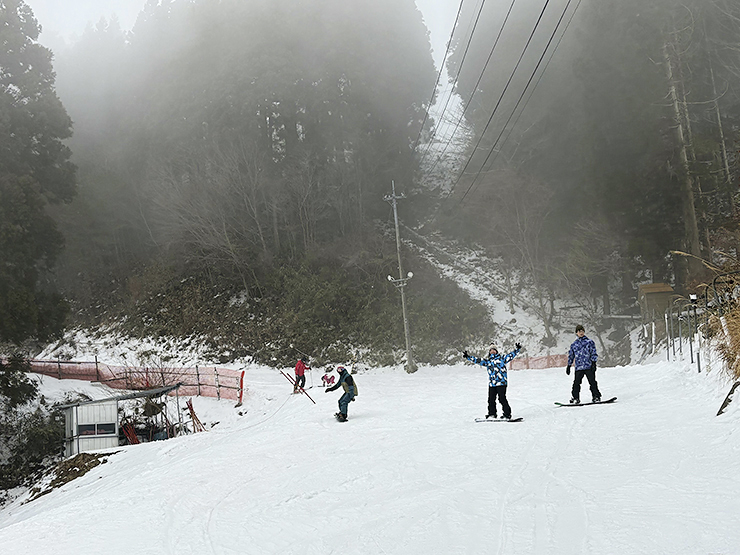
(350, 390)
(497, 377)
(583, 353)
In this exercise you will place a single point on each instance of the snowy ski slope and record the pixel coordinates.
(412, 473)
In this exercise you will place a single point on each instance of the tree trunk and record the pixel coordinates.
(687, 190)
(705, 245)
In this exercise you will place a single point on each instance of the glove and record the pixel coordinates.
(593, 366)
(465, 354)
(567, 370)
(518, 346)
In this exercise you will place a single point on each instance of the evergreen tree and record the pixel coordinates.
(632, 126)
(34, 170)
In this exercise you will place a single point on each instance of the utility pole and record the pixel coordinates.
(401, 282)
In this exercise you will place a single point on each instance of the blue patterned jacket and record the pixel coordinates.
(583, 352)
(496, 367)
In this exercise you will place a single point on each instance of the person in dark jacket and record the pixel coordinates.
(497, 377)
(583, 353)
(300, 373)
(347, 382)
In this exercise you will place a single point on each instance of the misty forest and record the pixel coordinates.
(217, 175)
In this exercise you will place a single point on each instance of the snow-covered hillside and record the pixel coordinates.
(514, 313)
(413, 473)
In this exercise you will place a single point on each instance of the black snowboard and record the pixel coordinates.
(585, 404)
(499, 419)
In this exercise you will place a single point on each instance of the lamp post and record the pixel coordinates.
(401, 282)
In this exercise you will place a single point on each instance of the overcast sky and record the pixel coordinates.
(67, 18)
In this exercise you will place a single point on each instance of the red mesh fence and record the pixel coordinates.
(207, 381)
(547, 361)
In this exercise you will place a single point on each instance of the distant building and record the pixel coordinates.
(92, 425)
(654, 300)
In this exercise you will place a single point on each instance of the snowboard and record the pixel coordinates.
(585, 404)
(499, 419)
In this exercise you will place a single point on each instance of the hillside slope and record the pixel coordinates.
(412, 473)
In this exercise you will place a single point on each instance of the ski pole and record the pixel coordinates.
(291, 380)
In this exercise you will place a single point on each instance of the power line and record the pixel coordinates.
(498, 103)
(521, 97)
(531, 94)
(459, 69)
(439, 75)
(475, 89)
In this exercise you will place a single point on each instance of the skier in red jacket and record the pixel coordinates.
(300, 373)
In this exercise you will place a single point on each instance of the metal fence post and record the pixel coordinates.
(667, 339)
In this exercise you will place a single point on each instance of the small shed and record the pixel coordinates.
(654, 300)
(91, 425)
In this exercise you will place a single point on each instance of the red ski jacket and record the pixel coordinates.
(301, 367)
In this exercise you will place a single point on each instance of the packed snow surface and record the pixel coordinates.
(411, 472)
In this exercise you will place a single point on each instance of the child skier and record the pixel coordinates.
(350, 390)
(497, 378)
(327, 379)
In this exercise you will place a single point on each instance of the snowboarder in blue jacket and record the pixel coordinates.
(497, 377)
(583, 353)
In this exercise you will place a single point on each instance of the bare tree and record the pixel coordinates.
(519, 209)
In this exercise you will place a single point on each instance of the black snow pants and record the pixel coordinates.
(500, 392)
(591, 377)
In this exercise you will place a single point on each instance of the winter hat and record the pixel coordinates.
(340, 369)
(492, 346)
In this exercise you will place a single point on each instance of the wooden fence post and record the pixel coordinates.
(218, 385)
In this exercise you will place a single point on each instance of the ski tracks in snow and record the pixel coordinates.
(532, 515)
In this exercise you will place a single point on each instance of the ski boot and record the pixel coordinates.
(341, 417)
(575, 401)
(596, 400)
(490, 416)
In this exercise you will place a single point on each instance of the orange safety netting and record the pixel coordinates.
(547, 361)
(208, 381)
